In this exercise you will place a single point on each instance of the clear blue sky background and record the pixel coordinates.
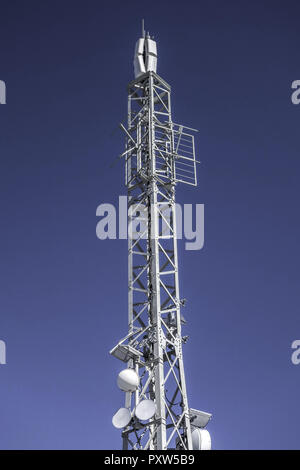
(63, 297)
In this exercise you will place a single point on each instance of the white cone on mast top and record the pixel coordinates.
(145, 55)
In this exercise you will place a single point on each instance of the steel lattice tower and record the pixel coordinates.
(159, 153)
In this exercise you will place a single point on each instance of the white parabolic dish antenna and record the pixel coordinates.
(145, 410)
(121, 418)
(128, 380)
(201, 439)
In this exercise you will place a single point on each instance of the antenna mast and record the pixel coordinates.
(143, 28)
(158, 155)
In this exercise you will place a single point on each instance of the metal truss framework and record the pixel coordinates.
(158, 154)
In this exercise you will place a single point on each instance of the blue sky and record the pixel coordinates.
(63, 296)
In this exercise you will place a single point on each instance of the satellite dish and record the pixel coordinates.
(145, 410)
(121, 418)
(201, 439)
(128, 380)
